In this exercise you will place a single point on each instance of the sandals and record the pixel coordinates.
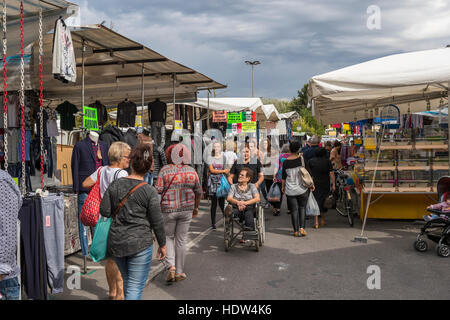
(303, 232)
(171, 276)
(180, 277)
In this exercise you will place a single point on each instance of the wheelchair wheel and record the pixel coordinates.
(261, 226)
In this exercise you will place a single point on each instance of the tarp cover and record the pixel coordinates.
(51, 11)
(406, 80)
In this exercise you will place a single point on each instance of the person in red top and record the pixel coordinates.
(180, 190)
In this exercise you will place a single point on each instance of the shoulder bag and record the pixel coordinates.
(91, 206)
(100, 242)
(305, 178)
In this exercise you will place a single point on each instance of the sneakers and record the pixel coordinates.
(213, 227)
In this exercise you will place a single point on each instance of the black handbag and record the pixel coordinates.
(330, 202)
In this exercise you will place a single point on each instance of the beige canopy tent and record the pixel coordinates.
(51, 11)
(408, 80)
(117, 68)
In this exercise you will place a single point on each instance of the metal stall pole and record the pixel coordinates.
(143, 96)
(83, 50)
(174, 76)
(207, 120)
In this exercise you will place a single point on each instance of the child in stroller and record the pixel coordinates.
(437, 226)
(439, 210)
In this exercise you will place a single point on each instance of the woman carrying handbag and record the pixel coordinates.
(135, 208)
(321, 170)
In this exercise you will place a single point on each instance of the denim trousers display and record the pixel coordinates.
(84, 231)
(53, 222)
(10, 289)
(297, 206)
(135, 270)
(33, 255)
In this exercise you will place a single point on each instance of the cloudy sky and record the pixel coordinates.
(293, 39)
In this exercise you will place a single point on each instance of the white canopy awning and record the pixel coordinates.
(228, 104)
(407, 80)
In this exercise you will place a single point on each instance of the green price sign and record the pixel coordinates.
(234, 117)
(90, 120)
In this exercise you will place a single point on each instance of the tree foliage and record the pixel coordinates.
(307, 122)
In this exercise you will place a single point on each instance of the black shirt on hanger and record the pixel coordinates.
(102, 114)
(67, 110)
(157, 111)
(126, 114)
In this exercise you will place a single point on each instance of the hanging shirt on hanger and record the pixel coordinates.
(13, 104)
(64, 64)
(126, 114)
(67, 111)
(157, 111)
(102, 114)
(52, 125)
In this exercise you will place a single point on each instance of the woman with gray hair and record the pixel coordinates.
(284, 154)
(119, 157)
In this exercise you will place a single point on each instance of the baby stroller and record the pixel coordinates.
(437, 230)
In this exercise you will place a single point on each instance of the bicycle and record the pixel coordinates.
(346, 197)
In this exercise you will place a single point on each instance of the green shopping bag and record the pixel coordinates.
(100, 241)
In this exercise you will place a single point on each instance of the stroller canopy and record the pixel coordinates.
(443, 186)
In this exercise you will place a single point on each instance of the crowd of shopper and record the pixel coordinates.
(138, 209)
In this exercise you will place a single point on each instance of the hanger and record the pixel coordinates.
(62, 21)
(41, 193)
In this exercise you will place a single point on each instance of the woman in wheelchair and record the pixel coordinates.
(243, 197)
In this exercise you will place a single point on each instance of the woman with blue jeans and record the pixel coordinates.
(130, 239)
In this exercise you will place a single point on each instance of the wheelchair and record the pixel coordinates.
(234, 230)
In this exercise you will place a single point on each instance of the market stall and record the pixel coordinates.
(403, 162)
(40, 106)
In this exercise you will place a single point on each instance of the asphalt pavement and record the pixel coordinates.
(326, 264)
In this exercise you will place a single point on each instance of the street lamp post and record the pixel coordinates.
(253, 64)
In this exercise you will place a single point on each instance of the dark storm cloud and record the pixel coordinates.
(294, 40)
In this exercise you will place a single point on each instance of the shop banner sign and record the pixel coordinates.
(249, 116)
(219, 116)
(178, 125)
(234, 117)
(234, 128)
(358, 142)
(90, 120)
(249, 127)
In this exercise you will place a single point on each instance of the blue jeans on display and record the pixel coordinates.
(84, 231)
(135, 270)
(10, 289)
